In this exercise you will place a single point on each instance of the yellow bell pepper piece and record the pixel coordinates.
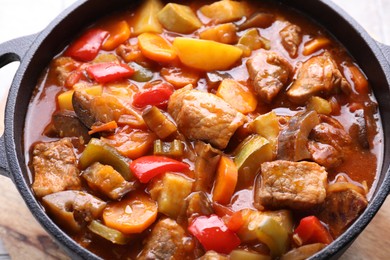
(65, 99)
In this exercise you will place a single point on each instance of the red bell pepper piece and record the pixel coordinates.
(157, 95)
(147, 167)
(109, 71)
(213, 234)
(310, 230)
(87, 46)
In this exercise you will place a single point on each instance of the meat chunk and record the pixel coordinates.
(67, 124)
(269, 73)
(204, 116)
(292, 140)
(318, 75)
(295, 185)
(291, 39)
(325, 154)
(168, 240)
(330, 132)
(340, 208)
(55, 168)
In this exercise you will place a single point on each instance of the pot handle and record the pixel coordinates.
(10, 51)
(385, 50)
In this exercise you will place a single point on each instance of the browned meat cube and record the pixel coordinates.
(318, 75)
(291, 39)
(168, 240)
(325, 154)
(292, 140)
(330, 132)
(204, 116)
(55, 168)
(269, 73)
(341, 208)
(295, 185)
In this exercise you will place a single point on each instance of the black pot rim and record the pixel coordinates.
(16, 162)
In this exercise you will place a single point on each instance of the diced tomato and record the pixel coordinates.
(109, 71)
(156, 95)
(213, 234)
(310, 230)
(147, 167)
(87, 46)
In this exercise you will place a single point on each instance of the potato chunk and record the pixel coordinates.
(146, 18)
(178, 18)
(170, 193)
(225, 11)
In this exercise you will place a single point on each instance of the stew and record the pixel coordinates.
(210, 130)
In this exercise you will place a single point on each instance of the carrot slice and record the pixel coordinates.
(180, 76)
(361, 83)
(104, 127)
(315, 45)
(156, 48)
(119, 33)
(226, 180)
(132, 214)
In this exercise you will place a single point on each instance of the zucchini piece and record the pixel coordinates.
(99, 151)
(271, 233)
(240, 254)
(108, 233)
(171, 149)
(158, 122)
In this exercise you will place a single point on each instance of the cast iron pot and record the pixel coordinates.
(35, 51)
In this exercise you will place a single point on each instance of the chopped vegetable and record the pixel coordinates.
(315, 45)
(109, 71)
(178, 18)
(253, 40)
(237, 95)
(170, 149)
(146, 18)
(110, 234)
(235, 222)
(130, 142)
(213, 234)
(361, 83)
(320, 105)
(65, 99)
(240, 254)
(105, 179)
(119, 33)
(262, 20)
(310, 230)
(87, 46)
(155, 95)
(112, 125)
(223, 33)
(141, 74)
(271, 233)
(197, 54)
(180, 76)
(133, 214)
(267, 125)
(156, 48)
(65, 206)
(98, 151)
(225, 11)
(170, 193)
(250, 154)
(253, 218)
(158, 122)
(303, 252)
(225, 181)
(147, 167)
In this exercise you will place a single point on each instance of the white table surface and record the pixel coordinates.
(23, 17)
